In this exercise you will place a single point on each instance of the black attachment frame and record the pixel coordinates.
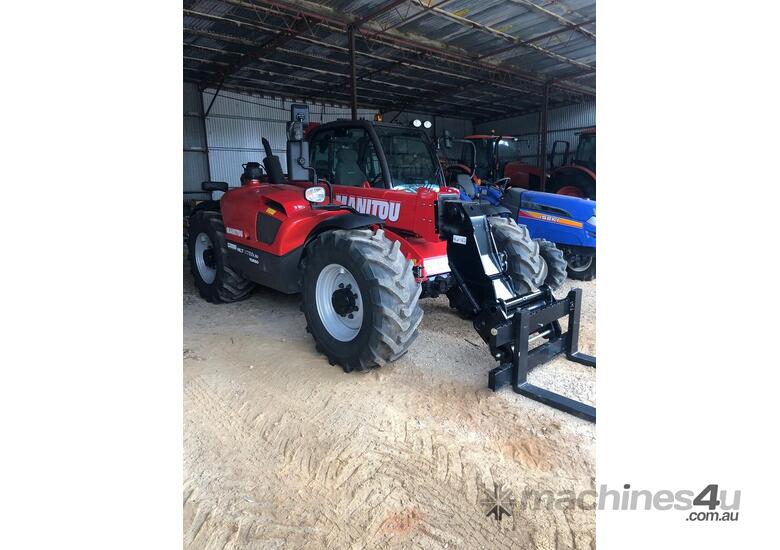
(528, 324)
(507, 321)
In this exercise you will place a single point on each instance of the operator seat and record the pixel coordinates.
(347, 170)
(464, 182)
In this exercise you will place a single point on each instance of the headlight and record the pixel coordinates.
(427, 124)
(592, 221)
(315, 194)
(417, 123)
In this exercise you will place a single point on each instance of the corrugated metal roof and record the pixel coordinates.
(479, 59)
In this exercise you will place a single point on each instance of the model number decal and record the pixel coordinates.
(385, 210)
(241, 250)
(459, 239)
(234, 231)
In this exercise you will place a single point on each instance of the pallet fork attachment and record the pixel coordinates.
(508, 322)
(519, 336)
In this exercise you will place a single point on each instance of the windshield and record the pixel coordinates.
(509, 150)
(410, 158)
(482, 163)
(506, 150)
(586, 151)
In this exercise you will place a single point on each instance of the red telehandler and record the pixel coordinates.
(363, 226)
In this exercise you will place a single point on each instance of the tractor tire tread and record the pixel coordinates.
(556, 263)
(393, 293)
(527, 268)
(229, 286)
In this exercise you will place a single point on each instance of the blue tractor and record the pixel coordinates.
(569, 222)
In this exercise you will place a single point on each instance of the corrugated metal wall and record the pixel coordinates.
(563, 124)
(236, 123)
(196, 162)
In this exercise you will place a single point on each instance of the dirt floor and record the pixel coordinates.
(283, 450)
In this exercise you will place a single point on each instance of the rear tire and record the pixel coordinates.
(556, 263)
(360, 273)
(217, 282)
(575, 185)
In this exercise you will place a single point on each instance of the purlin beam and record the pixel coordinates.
(444, 52)
(391, 5)
(470, 23)
(403, 62)
(262, 50)
(559, 18)
(500, 77)
(328, 91)
(533, 39)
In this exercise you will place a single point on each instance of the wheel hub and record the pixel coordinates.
(339, 302)
(344, 300)
(579, 262)
(208, 257)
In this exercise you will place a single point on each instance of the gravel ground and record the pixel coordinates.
(282, 450)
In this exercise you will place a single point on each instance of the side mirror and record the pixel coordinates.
(214, 186)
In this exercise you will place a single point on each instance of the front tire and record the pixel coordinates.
(360, 298)
(556, 263)
(526, 267)
(581, 267)
(217, 282)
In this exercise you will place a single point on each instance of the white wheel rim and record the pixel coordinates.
(333, 303)
(203, 246)
(582, 265)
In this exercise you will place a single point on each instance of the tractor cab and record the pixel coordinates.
(491, 158)
(586, 150)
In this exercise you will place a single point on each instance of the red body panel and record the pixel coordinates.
(408, 217)
(519, 174)
(240, 207)
(401, 210)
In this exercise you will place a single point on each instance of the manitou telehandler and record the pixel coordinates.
(363, 226)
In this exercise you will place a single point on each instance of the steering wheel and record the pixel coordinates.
(375, 179)
(502, 184)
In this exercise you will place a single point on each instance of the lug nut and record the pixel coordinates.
(493, 331)
(341, 285)
(351, 316)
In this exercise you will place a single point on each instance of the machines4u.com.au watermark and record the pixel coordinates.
(707, 504)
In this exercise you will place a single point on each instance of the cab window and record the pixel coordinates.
(345, 156)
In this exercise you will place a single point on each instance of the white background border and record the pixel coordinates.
(687, 313)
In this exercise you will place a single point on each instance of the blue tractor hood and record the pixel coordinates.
(574, 208)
